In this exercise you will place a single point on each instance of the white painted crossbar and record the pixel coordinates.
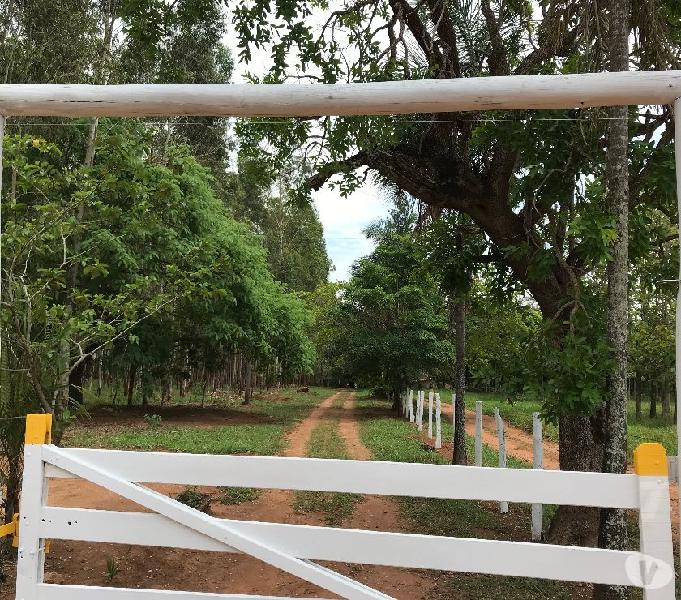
(408, 551)
(366, 477)
(376, 98)
(293, 547)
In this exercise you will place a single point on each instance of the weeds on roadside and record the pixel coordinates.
(238, 495)
(153, 420)
(194, 499)
(112, 568)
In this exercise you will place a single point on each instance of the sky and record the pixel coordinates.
(344, 220)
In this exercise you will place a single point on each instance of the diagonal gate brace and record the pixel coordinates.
(211, 527)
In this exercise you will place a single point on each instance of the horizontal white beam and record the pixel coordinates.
(410, 551)
(366, 477)
(83, 592)
(309, 100)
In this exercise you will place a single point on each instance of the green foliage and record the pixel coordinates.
(393, 322)
(236, 495)
(153, 420)
(163, 268)
(193, 498)
(293, 238)
(112, 568)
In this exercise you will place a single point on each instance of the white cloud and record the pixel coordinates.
(344, 220)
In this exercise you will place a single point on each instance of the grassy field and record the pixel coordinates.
(520, 412)
(259, 428)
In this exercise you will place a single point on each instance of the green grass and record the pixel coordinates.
(397, 440)
(238, 495)
(326, 442)
(272, 419)
(519, 414)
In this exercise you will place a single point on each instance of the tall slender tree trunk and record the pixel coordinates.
(666, 400)
(637, 396)
(248, 381)
(459, 446)
(613, 530)
(131, 383)
(652, 411)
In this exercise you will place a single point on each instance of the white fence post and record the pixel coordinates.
(431, 395)
(538, 463)
(438, 422)
(419, 411)
(411, 406)
(31, 557)
(478, 433)
(656, 568)
(503, 505)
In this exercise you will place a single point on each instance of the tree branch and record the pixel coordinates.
(444, 26)
(554, 40)
(498, 63)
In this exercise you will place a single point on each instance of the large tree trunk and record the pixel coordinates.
(580, 450)
(613, 529)
(459, 446)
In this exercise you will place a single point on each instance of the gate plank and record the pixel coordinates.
(211, 527)
(84, 592)
(410, 551)
(573, 488)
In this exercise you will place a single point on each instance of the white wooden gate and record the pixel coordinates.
(292, 548)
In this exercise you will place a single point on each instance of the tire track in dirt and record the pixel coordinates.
(379, 513)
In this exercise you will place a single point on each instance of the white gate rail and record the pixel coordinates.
(292, 547)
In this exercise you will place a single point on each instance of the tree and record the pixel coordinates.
(394, 325)
(293, 237)
(522, 180)
(613, 528)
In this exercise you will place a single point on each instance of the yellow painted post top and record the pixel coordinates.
(651, 459)
(38, 429)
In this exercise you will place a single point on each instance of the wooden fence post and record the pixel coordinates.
(503, 505)
(438, 422)
(431, 395)
(537, 463)
(411, 406)
(478, 433)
